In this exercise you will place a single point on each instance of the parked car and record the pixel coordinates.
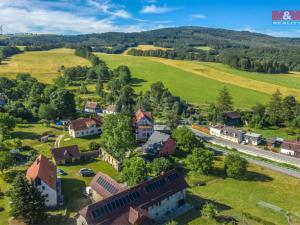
(61, 172)
(86, 172)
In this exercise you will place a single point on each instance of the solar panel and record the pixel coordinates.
(155, 185)
(107, 186)
(173, 177)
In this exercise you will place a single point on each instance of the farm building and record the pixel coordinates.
(141, 204)
(43, 174)
(291, 148)
(159, 144)
(144, 125)
(85, 127)
(65, 155)
(233, 119)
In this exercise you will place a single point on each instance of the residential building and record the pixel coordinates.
(102, 186)
(159, 144)
(291, 148)
(111, 109)
(216, 130)
(92, 107)
(232, 134)
(85, 127)
(144, 203)
(107, 157)
(65, 155)
(253, 138)
(144, 125)
(233, 118)
(43, 175)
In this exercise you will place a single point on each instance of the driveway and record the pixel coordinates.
(57, 141)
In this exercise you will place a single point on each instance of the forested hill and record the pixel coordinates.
(240, 49)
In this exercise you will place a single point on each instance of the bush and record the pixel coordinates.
(235, 166)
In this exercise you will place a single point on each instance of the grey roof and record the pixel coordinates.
(156, 141)
(231, 131)
(159, 127)
(254, 135)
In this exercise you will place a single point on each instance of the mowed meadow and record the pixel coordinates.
(196, 82)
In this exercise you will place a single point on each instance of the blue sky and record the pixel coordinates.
(96, 16)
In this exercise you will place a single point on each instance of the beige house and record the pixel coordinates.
(85, 127)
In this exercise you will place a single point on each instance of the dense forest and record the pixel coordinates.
(240, 49)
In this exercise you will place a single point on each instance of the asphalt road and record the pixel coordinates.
(255, 151)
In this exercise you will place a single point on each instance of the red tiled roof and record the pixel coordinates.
(44, 169)
(141, 114)
(101, 190)
(84, 123)
(65, 152)
(120, 216)
(291, 145)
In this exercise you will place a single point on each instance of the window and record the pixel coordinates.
(38, 181)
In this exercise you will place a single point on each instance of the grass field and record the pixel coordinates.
(43, 65)
(204, 48)
(235, 197)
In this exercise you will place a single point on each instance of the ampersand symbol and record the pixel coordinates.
(286, 15)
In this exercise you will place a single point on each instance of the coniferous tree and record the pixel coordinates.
(99, 88)
(275, 108)
(28, 204)
(225, 100)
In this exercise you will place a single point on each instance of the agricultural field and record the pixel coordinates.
(204, 48)
(43, 65)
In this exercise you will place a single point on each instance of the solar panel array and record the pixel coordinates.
(155, 185)
(106, 185)
(115, 204)
(173, 177)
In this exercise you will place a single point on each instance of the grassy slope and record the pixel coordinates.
(43, 65)
(191, 87)
(243, 196)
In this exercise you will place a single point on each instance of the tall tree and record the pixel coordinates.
(160, 165)
(134, 171)
(185, 139)
(99, 88)
(6, 160)
(64, 103)
(235, 166)
(224, 100)
(47, 112)
(275, 108)
(28, 203)
(7, 123)
(200, 160)
(119, 134)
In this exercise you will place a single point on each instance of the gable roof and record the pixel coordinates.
(66, 152)
(115, 210)
(44, 169)
(105, 186)
(139, 115)
(233, 132)
(156, 141)
(85, 123)
(91, 105)
(291, 145)
(233, 115)
(253, 135)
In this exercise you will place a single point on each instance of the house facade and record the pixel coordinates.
(85, 127)
(65, 155)
(253, 138)
(232, 134)
(159, 144)
(111, 109)
(216, 130)
(144, 125)
(92, 107)
(143, 204)
(43, 175)
(291, 148)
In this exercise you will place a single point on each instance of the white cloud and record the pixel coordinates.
(32, 16)
(156, 9)
(198, 16)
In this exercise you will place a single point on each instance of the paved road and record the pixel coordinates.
(271, 166)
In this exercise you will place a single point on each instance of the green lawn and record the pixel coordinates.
(189, 86)
(235, 197)
(272, 132)
(83, 142)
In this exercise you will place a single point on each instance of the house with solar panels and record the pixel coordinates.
(143, 204)
(102, 186)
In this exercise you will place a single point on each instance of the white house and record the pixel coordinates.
(216, 130)
(92, 107)
(111, 109)
(85, 127)
(43, 174)
(149, 201)
(253, 138)
(291, 148)
(144, 125)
